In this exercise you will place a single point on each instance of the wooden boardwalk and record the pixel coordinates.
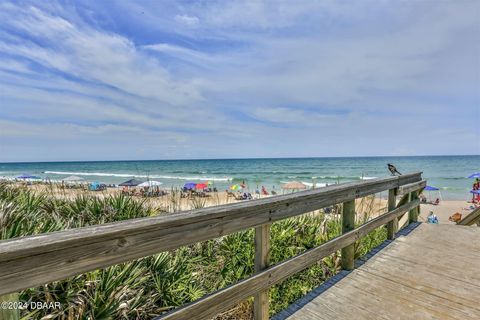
(431, 273)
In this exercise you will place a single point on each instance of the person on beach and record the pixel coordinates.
(432, 218)
(476, 186)
(264, 191)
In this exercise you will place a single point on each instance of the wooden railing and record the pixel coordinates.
(471, 218)
(35, 260)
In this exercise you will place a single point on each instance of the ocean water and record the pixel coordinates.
(445, 172)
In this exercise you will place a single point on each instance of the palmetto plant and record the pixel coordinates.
(150, 286)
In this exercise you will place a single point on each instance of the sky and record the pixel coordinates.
(112, 80)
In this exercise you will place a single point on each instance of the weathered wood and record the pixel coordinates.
(402, 201)
(348, 224)
(471, 218)
(413, 214)
(414, 277)
(262, 260)
(220, 301)
(30, 261)
(416, 186)
(392, 226)
(7, 312)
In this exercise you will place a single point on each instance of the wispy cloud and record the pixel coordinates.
(239, 78)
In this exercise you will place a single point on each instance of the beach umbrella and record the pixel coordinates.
(235, 187)
(94, 186)
(474, 175)
(190, 185)
(27, 176)
(200, 186)
(151, 183)
(475, 191)
(73, 179)
(130, 183)
(430, 188)
(294, 185)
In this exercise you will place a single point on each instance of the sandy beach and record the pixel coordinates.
(444, 210)
(369, 205)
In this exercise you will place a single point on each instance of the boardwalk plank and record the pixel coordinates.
(432, 273)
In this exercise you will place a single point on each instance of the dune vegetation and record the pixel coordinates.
(153, 285)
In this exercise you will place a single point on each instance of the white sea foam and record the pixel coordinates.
(129, 175)
(368, 178)
(317, 185)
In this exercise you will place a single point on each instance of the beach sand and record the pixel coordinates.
(444, 210)
(370, 206)
(373, 206)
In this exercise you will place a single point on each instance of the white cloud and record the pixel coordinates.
(182, 76)
(190, 21)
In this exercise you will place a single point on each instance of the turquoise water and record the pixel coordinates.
(445, 172)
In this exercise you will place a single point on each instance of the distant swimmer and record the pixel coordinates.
(393, 169)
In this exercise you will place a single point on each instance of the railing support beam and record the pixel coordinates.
(413, 214)
(348, 224)
(262, 260)
(392, 226)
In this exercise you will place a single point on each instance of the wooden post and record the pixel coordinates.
(348, 224)
(392, 226)
(5, 312)
(412, 214)
(262, 257)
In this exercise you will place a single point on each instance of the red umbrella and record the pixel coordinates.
(200, 186)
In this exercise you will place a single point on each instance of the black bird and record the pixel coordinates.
(393, 169)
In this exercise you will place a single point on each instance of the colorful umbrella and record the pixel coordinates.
(429, 188)
(190, 185)
(474, 175)
(475, 191)
(294, 185)
(27, 176)
(200, 186)
(235, 187)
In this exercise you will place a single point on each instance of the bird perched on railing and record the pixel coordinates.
(393, 169)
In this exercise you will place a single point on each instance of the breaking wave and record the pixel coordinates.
(129, 175)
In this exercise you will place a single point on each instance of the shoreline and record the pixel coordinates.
(443, 210)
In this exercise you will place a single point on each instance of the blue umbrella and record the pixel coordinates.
(27, 176)
(94, 185)
(430, 188)
(475, 191)
(474, 175)
(190, 185)
(130, 183)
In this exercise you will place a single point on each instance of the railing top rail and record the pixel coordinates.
(58, 255)
(115, 229)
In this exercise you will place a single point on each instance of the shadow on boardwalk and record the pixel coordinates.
(294, 307)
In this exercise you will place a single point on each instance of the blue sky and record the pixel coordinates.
(104, 80)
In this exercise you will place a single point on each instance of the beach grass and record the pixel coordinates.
(153, 285)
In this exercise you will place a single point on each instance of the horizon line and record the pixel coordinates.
(248, 158)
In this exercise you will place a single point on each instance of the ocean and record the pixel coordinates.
(448, 173)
